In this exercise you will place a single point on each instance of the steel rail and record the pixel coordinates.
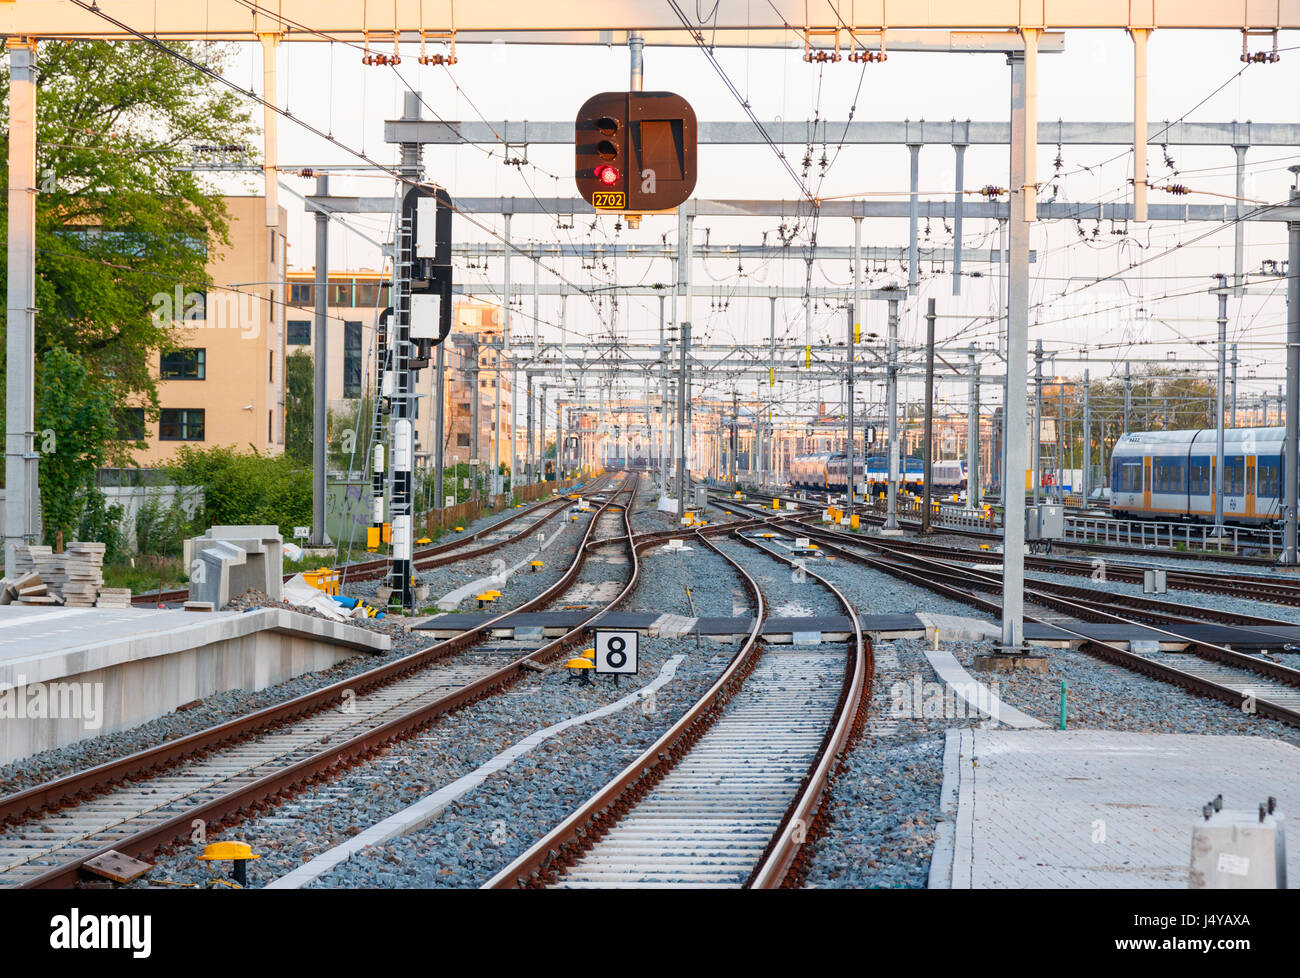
(94, 780)
(929, 578)
(345, 752)
(785, 855)
(590, 820)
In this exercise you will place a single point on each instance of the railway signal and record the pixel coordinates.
(635, 152)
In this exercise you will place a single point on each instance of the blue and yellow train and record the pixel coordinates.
(1171, 475)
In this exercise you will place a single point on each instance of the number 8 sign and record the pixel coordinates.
(616, 652)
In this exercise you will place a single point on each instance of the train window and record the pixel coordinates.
(1234, 476)
(1168, 475)
(1130, 477)
(1269, 478)
(1200, 478)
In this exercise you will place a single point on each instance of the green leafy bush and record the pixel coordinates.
(246, 488)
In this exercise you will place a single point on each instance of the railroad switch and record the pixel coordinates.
(237, 854)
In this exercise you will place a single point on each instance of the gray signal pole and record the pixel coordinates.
(973, 436)
(687, 227)
(320, 374)
(1038, 419)
(927, 460)
(1292, 452)
(891, 413)
(1222, 290)
(851, 454)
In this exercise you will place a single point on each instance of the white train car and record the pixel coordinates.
(1171, 475)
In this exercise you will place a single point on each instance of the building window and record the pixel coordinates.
(184, 365)
(302, 294)
(130, 424)
(462, 441)
(351, 359)
(299, 332)
(270, 366)
(270, 427)
(181, 424)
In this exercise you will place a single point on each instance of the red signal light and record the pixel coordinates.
(606, 174)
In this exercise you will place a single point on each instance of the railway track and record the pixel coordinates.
(729, 795)
(429, 557)
(869, 516)
(147, 800)
(1256, 685)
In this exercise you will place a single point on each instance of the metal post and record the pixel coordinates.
(505, 351)
(927, 460)
(474, 409)
(1023, 123)
(1060, 436)
(21, 473)
(1239, 228)
(891, 414)
(401, 433)
(1292, 451)
(1140, 36)
(1222, 290)
(735, 435)
(636, 58)
(529, 465)
(440, 430)
(851, 342)
(1232, 413)
(320, 373)
(684, 249)
(851, 451)
(1037, 447)
(1087, 436)
(541, 434)
(958, 203)
(664, 453)
(771, 364)
(973, 435)
(913, 204)
(1128, 395)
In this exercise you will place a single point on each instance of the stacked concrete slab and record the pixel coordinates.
(74, 578)
(229, 560)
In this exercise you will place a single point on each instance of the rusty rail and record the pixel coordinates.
(94, 780)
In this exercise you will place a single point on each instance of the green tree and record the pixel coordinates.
(74, 425)
(299, 387)
(118, 224)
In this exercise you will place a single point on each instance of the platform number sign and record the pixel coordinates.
(616, 652)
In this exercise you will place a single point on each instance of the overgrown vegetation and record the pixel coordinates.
(246, 488)
(299, 385)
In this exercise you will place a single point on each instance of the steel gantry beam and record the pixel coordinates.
(837, 23)
(910, 132)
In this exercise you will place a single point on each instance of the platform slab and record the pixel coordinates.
(1099, 809)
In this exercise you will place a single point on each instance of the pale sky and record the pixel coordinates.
(1196, 76)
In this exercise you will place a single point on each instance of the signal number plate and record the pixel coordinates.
(609, 199)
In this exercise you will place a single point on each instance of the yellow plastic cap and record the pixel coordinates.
(228, 850)
(580, 664)
(589, 653)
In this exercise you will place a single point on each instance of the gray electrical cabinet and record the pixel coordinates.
(1046, 521)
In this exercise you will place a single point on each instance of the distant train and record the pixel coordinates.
(827, 471)
(1170, 475)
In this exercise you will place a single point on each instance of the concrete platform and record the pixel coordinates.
(1096, 809)
(67, 674)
